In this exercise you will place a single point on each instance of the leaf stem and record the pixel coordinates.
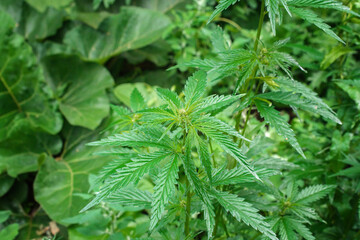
(10, 92)
(188, 208)
(261, 21)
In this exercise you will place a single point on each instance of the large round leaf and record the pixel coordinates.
(80, 88)
(39, 25)
(22, 98)
(41, 5)
(22, 152)
(130, 29)
(60, 182)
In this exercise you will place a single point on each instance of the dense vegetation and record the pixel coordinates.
(179, 119)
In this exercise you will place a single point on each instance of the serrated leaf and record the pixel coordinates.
(244, 212)
(131, 197)
(300, 102)
(195, 87)
(129, 174)
(170, 98)
(239, 175)
(163, 190)
(273, 117)
(313, 193)
(229, 147)
(137, 101)
(223, 5)
(214, 103)
(204, 155)
(312, 18)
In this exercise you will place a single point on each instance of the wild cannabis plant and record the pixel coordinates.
(177, 144)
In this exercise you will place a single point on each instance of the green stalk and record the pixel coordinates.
(187, 210)
(261, 21)
(256, 44)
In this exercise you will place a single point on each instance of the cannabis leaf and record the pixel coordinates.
(279, 123)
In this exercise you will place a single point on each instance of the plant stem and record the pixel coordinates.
(256, 44)
(187, 210)
(261, 21)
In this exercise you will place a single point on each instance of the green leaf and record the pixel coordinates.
(163, 6)
(6, 183)
(312, 18)
(130, 29)
(132, 139)
(4, 215)
(223, 5)
(22, 152)
(131, 197)
(195, 87)
(213, 104)
(123, 92)
(137, 101)
(330, 4)
(286, 230)
(218, 41)
(21, 89)
(244, 212)
(9, 232)
(83, 101)
(313, 193)
(41, 5)
(229, 147)
(170, 98)
(296, 100)
(59, 182)
(334, 55)
(204, 155)
(273, 9)
(163, 190)
(351, 87)
(36, 25)
(239, 175)
(216, 124)
(273, 117)
(131, 173)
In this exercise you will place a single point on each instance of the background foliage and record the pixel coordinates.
(64, 63)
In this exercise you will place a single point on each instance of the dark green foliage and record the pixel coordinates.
(179, 119)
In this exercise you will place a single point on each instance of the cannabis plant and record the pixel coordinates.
(204, 168)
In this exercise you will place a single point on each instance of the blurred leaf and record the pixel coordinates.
(4, 215)
(123, 92)
(60, 180)
(20, 154)
(9, 232)
(160, 5)
(335, 54)
(130, 29)
(6, 183)
(39, 25)
(80, 88)
(41, 5)
(22, 99)
(351, 87)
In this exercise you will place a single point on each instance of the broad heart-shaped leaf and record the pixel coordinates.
(130, 29)
(60, 181)
(160, 5)
(22, 152)
(22, 98)
(39, 25)
(80, 87)
(41, 5)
